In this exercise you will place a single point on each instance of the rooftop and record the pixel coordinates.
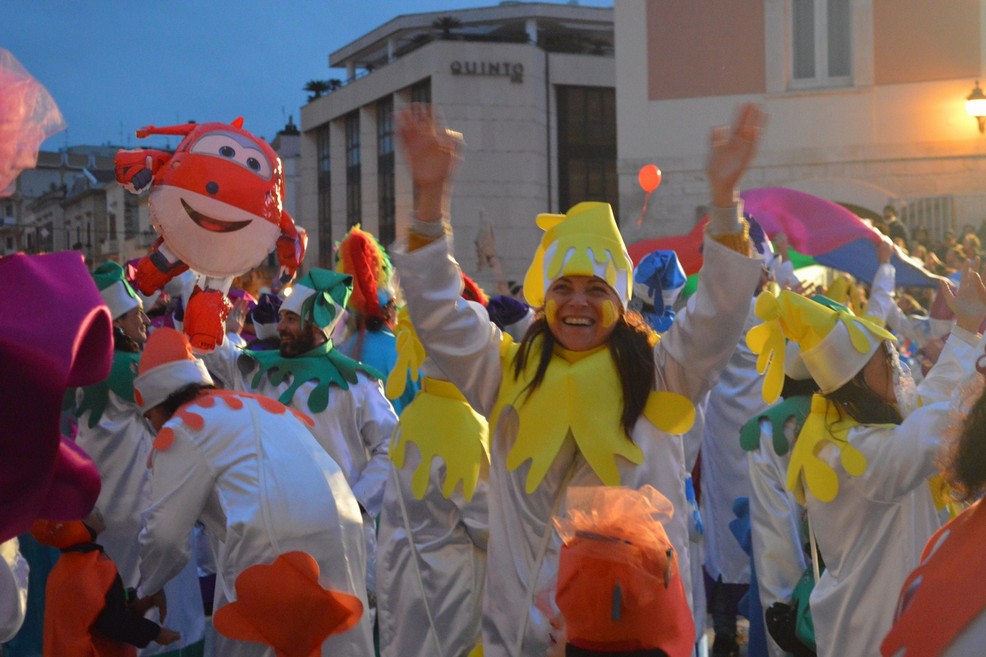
(554, 27)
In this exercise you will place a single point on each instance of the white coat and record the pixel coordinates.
(259, 483)
(725, 477)
(775, 523)
(523, 549)
(120, 444)
(872, 534)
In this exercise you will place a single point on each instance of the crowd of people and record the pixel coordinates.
(381, 460)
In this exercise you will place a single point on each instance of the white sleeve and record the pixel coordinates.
(956, 362)
(696, 348)
(376, 426)
(882, 304)
(786, 276)
(221, 363)
(13, 589)
(882, 292)
(456, 334)
(776, 525)
(181, 483)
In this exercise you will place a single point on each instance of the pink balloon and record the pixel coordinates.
(649, 177)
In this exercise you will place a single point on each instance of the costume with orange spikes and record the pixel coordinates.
(248, 468)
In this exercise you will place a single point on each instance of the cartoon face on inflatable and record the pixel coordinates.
(218, 201)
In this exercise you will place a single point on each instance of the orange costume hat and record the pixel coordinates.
(618, 582)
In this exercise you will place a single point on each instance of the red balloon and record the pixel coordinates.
(649, 177)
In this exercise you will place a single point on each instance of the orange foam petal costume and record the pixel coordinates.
(75, 594)
(283, 605)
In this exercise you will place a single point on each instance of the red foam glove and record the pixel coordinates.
(205, 319)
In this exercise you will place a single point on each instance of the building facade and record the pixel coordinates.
(529, 85)
(865, 102)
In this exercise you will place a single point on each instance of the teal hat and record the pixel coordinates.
(116, 291)
(320, 297)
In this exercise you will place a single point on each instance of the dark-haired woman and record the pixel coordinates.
(864, 459)
(589, 396)
(942, 606)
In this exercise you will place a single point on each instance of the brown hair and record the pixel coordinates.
(966, 468)
(182, 396)
(861, 403)
(630, 345)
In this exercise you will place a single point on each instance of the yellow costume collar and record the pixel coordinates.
(581, 398)
(824, 423)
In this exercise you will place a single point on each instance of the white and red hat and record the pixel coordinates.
(166, 366)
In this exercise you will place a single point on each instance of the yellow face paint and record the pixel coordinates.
(610, 313)
(551, 311)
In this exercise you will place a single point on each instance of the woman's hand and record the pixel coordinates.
(884, 250)
(431, 153)
(730, 153)
(969, 303)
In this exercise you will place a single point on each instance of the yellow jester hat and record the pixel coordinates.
(583, 242)
(835, 346)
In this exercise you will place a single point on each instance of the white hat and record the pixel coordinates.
(166, 366)
(115, 290)
(320, 297)
(835, 343)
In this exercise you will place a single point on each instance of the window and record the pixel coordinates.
(354, 208)
(821, 37)
(387, 231)
(324, 198)
(421, 91)
(587, 146)
(130, 216)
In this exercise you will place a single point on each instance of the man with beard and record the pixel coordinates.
(353, 419)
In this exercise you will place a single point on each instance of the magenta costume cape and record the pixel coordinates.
(55, 333)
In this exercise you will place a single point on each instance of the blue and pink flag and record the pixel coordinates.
(819, 231)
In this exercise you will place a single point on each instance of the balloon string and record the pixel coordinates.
(643, 210)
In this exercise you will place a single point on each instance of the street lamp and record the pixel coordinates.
(975, 105)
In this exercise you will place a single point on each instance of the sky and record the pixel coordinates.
(114, 66)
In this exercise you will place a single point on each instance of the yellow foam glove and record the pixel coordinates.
(443, 425)
(410, 356)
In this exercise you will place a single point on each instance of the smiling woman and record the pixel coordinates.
(590, 396)
(581, 311)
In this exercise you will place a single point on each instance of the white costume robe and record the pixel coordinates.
(430, 586)
(13, 589)
(260, 483)
(523, 549)
(725, 475)
(871, 535)
(354, 428)
(775, 523)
